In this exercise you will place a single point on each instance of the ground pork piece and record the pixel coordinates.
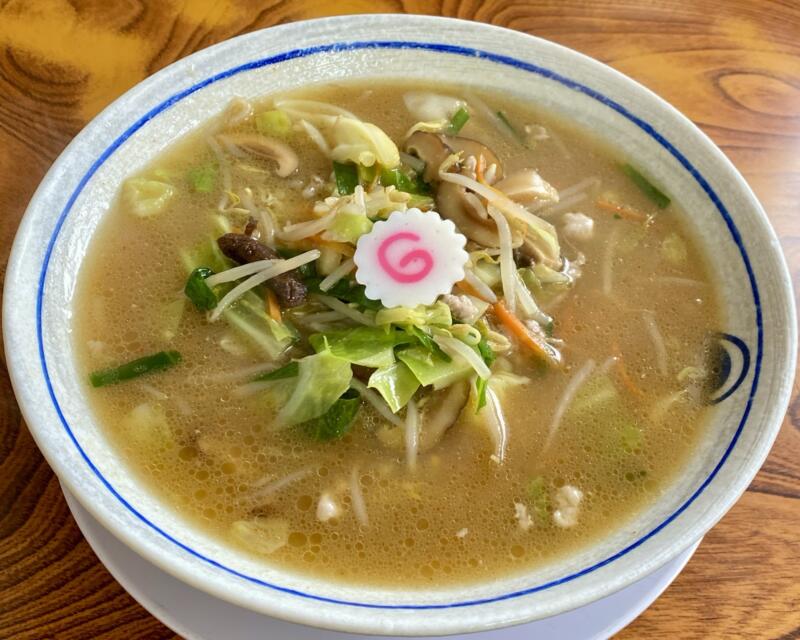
(462, 308)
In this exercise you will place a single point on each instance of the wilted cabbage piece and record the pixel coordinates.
(146, 426)
(427, 106)
(146, 198)
(350, 138)
(362, 143)
(261, 535)
(321, 379)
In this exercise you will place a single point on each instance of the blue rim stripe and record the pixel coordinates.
(439, 48)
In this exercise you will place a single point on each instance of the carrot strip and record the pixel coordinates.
(623, 372)
(520, 331)
(628, 213)
(273, 307)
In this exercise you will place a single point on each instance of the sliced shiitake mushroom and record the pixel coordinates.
(263, 147)
(431, 149)
(451, 201)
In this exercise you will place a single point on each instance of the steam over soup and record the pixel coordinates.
(247, 377)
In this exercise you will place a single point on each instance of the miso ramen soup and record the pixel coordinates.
(550, 391)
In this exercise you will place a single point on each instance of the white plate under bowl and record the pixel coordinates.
(195, 615)
(722, 214)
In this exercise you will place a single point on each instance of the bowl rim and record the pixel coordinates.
(339, 46)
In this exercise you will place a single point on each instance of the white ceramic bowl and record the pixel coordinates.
(724, 214)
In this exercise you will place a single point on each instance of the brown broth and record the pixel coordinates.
(221, 448)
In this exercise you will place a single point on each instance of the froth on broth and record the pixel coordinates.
(597, 390)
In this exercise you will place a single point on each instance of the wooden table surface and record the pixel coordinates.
(732, 66)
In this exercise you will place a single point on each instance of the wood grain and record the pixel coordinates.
(732, 66)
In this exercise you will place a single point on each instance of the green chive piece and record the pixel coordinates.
(346, 175)
(458, 120)
(646, 187)
(198, 291)
(402, 182)
(135, 368)
(514, 132)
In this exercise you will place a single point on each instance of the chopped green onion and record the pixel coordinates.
(489, 357)
(336, 421)
(135, 368)
(486, 352)
(480, 392)
(646, 187)
(458, 120)
(346, 175)
(198, 291)
(286, 371)
(396, 178)
(274, 123)
(512, 129)
(538, 497)
(203, 178)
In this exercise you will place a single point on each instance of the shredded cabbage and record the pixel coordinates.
(321, 379)
(146, 198)
(350, 138)
(250, 320)
(147, 427)
(432, 369)
(436, 314)
(396, 383)
(673, 249)
(365, 346)
(261, 535)
(424, 105)
(348, 226)
(363, 143)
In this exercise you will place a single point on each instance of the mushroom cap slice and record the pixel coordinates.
(431, 149)
(263, 147)
(470, 147)
(434, 148)
(451, 204)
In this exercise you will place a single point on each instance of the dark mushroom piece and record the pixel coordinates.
(288, 287)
